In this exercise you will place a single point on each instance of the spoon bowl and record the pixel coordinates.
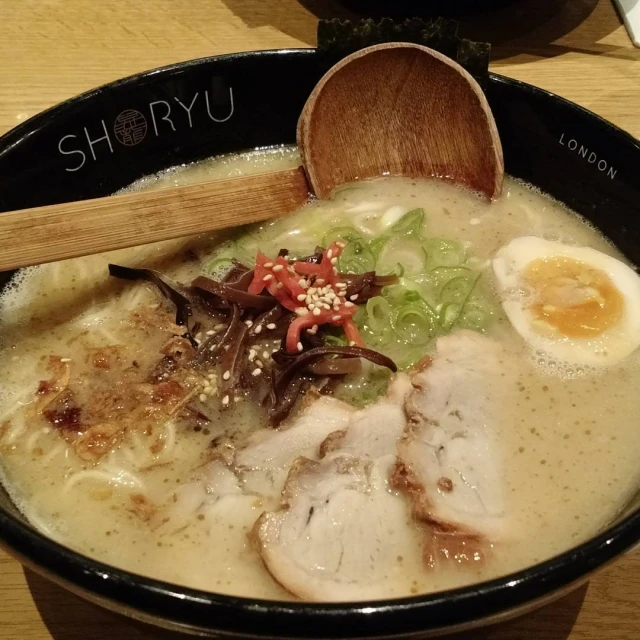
(404, 110)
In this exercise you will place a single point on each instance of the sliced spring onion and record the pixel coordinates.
(476, 315)
(335, 341)
(375, 246)
(379, 314)
(414, 325)
(356, 258)
(443, 253)
(401, 250)
(449, 313)
(441, 275)
(410, 224)
(457, 289)
(346, 234)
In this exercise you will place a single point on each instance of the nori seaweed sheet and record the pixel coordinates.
(340, 38)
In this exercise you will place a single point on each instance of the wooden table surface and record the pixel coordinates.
(51, 50)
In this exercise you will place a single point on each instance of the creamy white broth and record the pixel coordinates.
(551, 429)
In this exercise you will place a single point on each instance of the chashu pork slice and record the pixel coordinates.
(253, 473)
(264, 459)
(449, 458)
(340, 529)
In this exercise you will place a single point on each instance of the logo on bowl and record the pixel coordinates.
(130, 127)
(589, 155)
(158, 118)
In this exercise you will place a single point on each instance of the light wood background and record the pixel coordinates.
(51, 50)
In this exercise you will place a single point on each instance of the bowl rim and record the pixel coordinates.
(493, 597)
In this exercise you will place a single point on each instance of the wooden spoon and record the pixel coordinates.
(401, 110)
(393, 109)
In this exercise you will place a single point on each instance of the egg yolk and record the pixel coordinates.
(576, 299)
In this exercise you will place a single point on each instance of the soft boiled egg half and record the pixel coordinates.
(572, 304)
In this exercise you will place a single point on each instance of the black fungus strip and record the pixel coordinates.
(236, 272)
(366, 285)
(231, 361)
(295, 367)
(335, 366)
(277, 316)
(284, 402)
(181, 302)
(229, 294)
(211, 348)
(242, 282)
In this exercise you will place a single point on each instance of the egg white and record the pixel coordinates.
(614, 344)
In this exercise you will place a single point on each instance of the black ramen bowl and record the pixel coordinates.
(99, 142)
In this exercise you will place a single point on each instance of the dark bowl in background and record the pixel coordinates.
(105, 139)
(434, 8)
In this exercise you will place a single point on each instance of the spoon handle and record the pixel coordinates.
(72, 229)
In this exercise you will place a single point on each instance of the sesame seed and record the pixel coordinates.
(326, 306)
(330, 254)
(258, 329)
(303, 283)
(256, 372)
(252, 355)
(342, 245)
(271, 326)
(352, 343)
(320, 281)
(198, 342)
(277, 268)
(302, 311)
(335, 318)
(249, 323)
(268, 277)
(341, 285)
(259, 364)
(334, 260)
(226, 375)
(211, 332)
(265, 355)
(300, 347)
(311, 332)
(212, 376)
(353, 297)
(225, 401)
(268, 265)
(219, 327)
(237, 399)
(315, 327)
(302, 296)
(65, 359)
(331, 295)
(342, 294)
(279, 285)
(273, 350)
(348, 304)
(203, 397)
(316, 311)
